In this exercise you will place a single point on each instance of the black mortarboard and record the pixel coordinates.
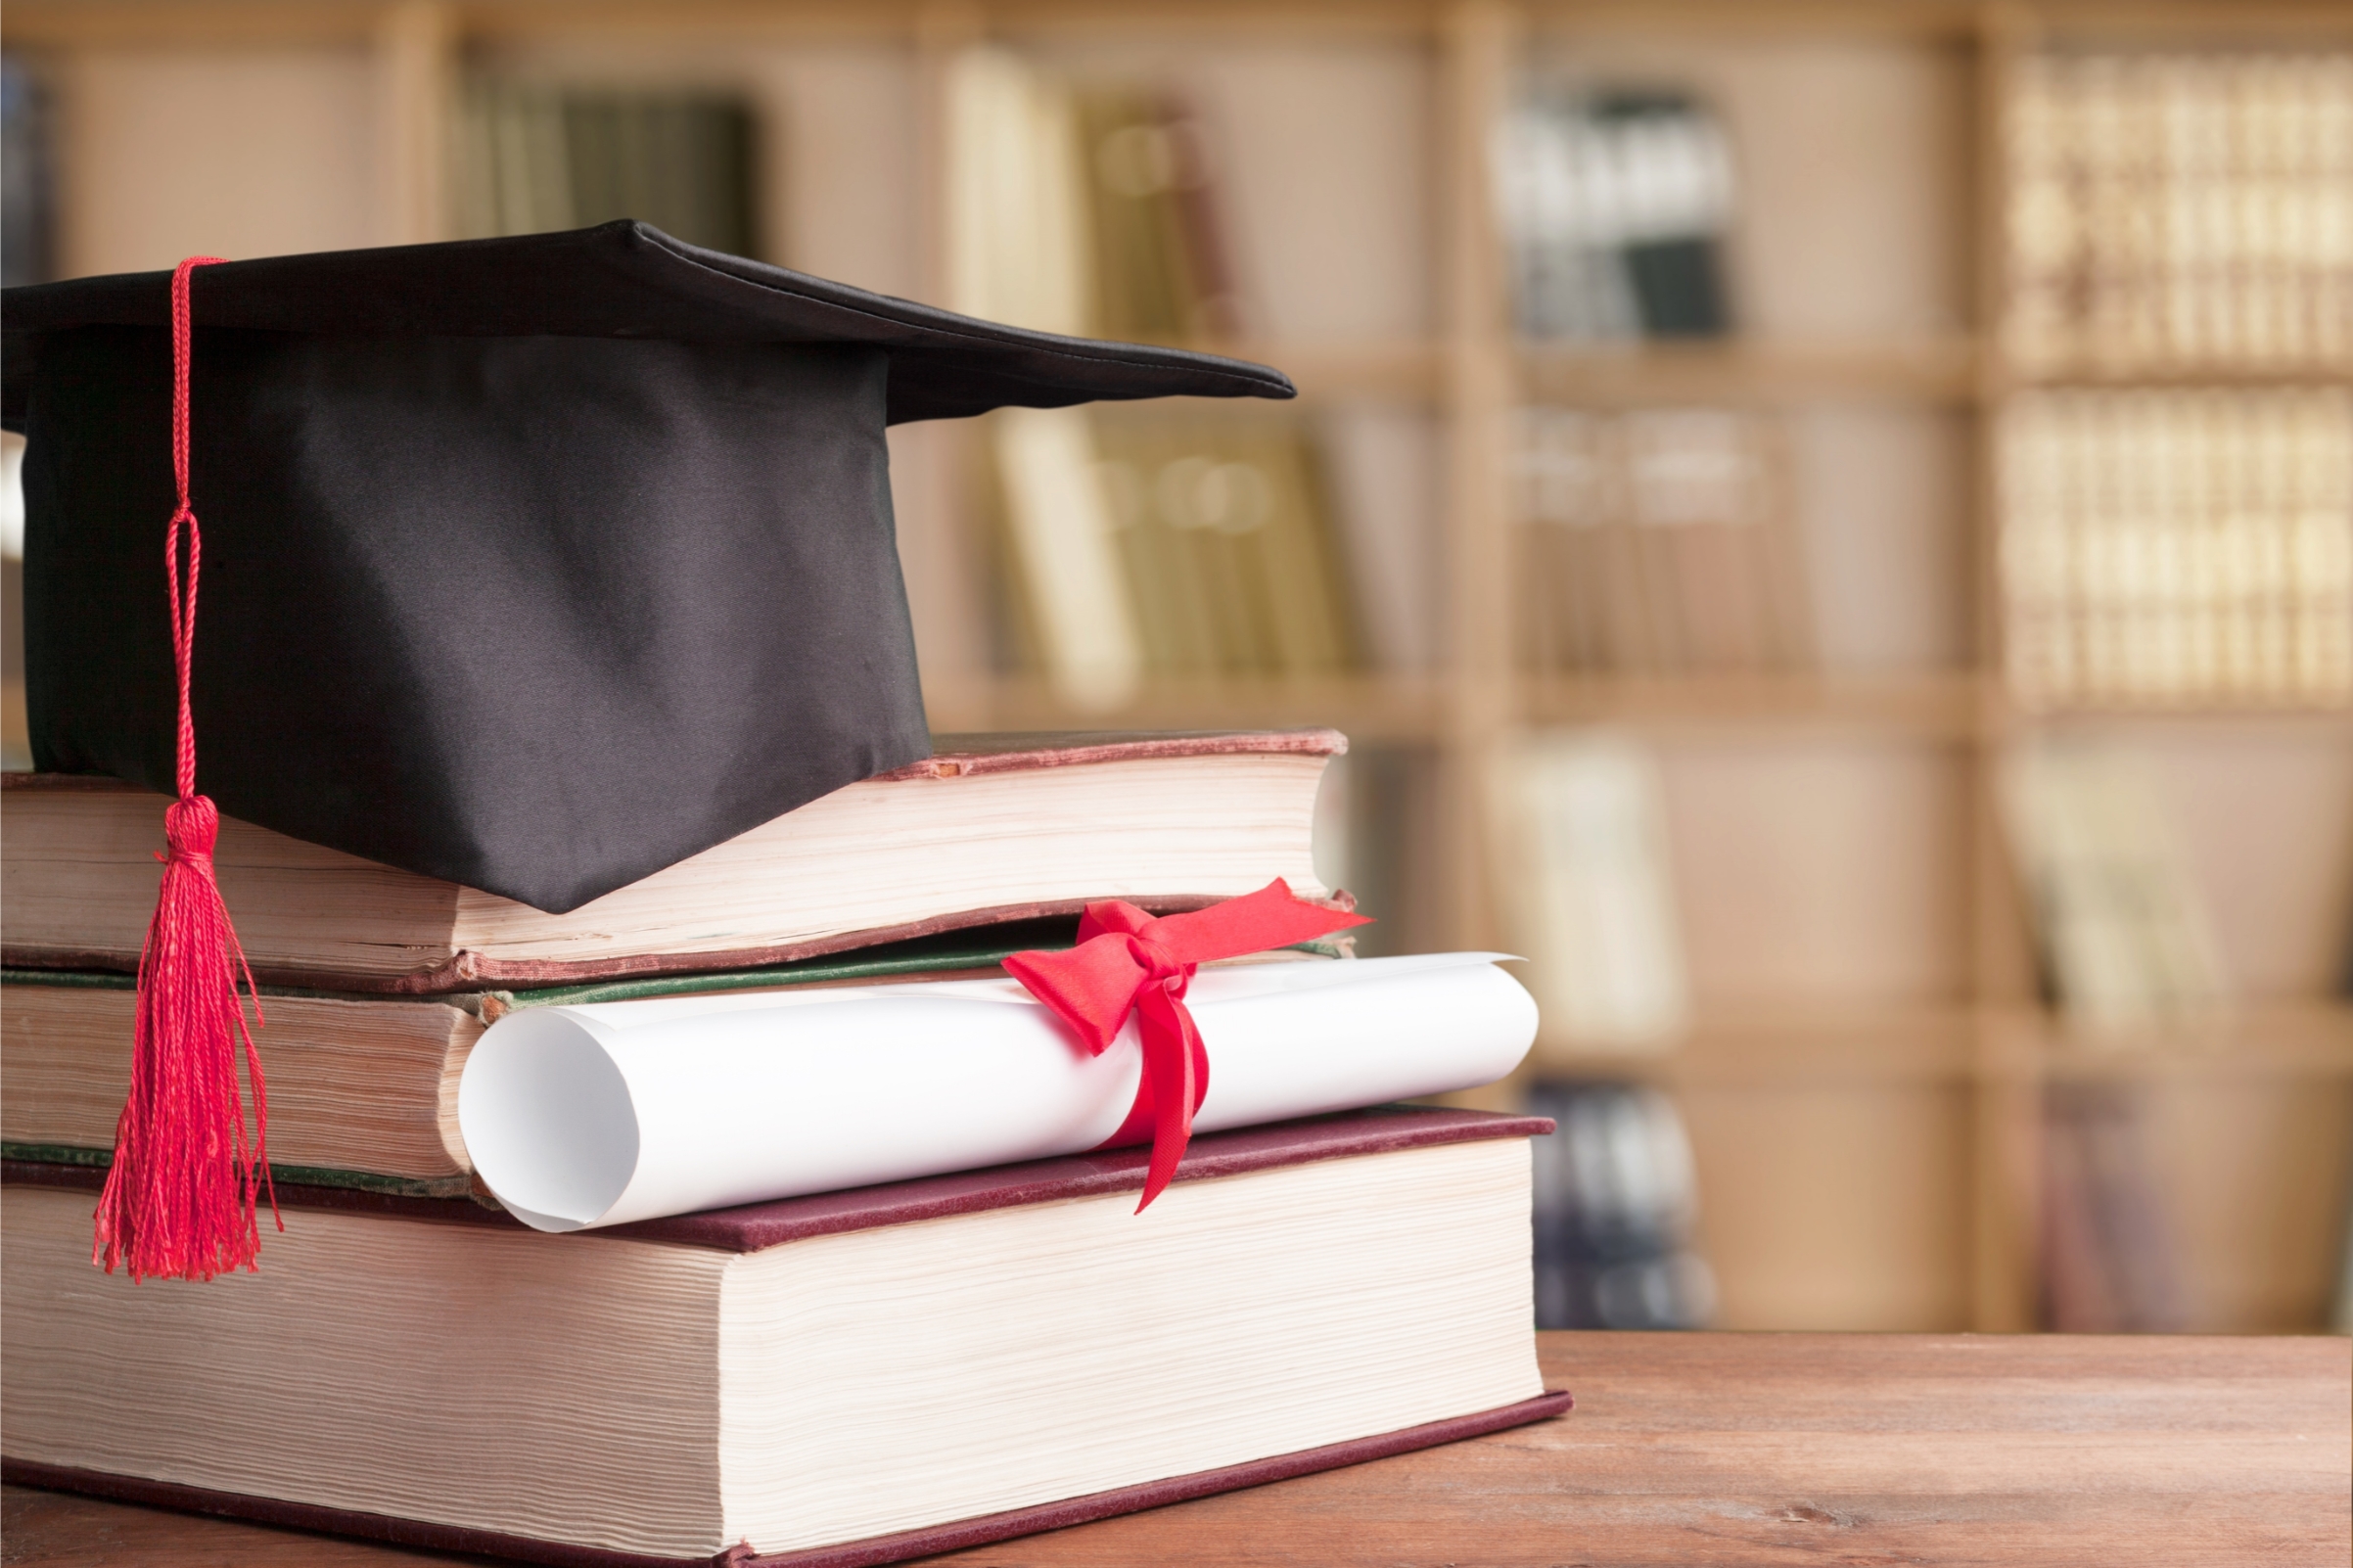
(536, 563)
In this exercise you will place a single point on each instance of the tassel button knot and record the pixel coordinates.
(191, 827)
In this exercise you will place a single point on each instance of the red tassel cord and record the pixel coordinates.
(1126, 962)
(180, 1198)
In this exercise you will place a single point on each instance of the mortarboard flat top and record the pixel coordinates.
(626, 279)
(534, 564)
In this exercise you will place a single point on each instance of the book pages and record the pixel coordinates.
(582, 1117)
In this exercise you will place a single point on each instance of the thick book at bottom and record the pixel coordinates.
(843, 1379)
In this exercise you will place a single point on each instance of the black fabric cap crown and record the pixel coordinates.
(534, 564)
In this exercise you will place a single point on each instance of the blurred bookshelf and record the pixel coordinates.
(1871, 1024)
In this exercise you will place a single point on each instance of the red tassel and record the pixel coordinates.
(180, 1199)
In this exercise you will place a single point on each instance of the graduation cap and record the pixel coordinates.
(534, 564)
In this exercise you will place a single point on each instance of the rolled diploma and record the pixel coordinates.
(580, 1117)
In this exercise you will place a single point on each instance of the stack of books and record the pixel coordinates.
(943, 1348)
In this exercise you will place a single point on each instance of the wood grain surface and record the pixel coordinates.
(1719, 1448)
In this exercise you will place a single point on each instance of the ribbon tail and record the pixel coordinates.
(1176, 1066)
(1257, 922)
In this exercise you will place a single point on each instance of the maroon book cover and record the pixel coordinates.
(755, 1226)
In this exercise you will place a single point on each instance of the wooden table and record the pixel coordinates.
(1815, 1449)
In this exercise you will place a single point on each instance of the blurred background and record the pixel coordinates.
(1829, 526)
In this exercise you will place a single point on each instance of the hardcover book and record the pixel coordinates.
(855, 1377)
(988, 829)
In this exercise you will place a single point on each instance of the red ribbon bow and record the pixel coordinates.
(1127, 960)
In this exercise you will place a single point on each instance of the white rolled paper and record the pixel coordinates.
(578, 1116)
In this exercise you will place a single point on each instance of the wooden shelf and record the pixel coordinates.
(1750, 371)
(1365, 708)
(1407, 708)
(2170, 373)
(1946, 705)
(1956, 21)
(2310, 1040)
(2006, 714)
(1956, 706)
(1396, 372)
(1635, 375)
(1787, 1045)
(1954, 1043)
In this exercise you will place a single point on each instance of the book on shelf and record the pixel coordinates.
(1383, 465)
(2340, 1314)
(1147, 544)
(27, 175)
(2170, 208)
(2126, 943)
(1135, 544)
(532, 157)
(1616, 201)
(2340, 1317)
(28, 254)
(1581, 853)
(2179, 545)
(990, 828)
(2124, 934)
(1067, 608)
(1658, 542)
(850, 1378)
(1381, 822)
(2110, 1264)
(1615, 1201)
(1161, 271)
(1091, 211)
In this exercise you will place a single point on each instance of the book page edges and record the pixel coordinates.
(479, 942)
